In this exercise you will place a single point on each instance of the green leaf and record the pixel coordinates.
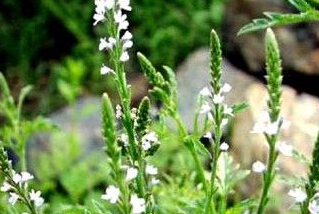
(301, 5)
(238, 107)
(278, 19)
(24, 92)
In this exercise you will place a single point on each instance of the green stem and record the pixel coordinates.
(269, 174)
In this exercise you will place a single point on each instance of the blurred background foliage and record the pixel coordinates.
(52, 45)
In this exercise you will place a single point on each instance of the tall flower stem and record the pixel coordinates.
(274, 86)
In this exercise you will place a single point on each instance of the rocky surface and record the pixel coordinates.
(300, 109)
(298, 43)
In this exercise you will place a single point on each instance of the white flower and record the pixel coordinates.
(285, 148)
(224, 122)
(118, 113)
(36, 198)
(5, 187)
(13, 198)
(124, 139)
(106, 70)
(258, 167)
(272, 128)
(125, 5)
(224, 147)
(25, 176)
(131, 173)
(127, 44)
(205, 92)
(148, 140)
(138, 204)
(155, 181)
(121, 20)
(112, 194)
(146, 145)
(107, 44)
(258, 128)
(313, 206)
(208, 135)
(228, 110)
(264, 125)
(124, 57)
(127, 36)
(218, 99)
(205, 108)
(298, 194)
(226, 88)
(151, 170)
(17, 178)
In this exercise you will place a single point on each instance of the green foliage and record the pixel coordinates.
(308, 12)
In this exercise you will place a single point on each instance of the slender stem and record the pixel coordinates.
(269, 174)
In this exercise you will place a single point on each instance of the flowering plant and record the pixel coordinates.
(132, 139)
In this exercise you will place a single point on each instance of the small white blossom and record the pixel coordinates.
(218, 99)
(226, 88)
(112, 194)
(298, 195)
(36, 198)
(17, 178)
(125, 5)
(26, 176)
(272, 128)
(5, 187)
(106, 70)
(127, 36)
(224, 147)
(228, 110)
(98, 17)
(208, 135)
(124, 57)
(205, 108)
(127, 44)
(224, 122)
(138, 204)
(124, 139)
(155, 181)
(313, 206)
(118, 113)
(131, 173)
(285, 148)
(13, 198)
(121, 20)
(148, 140)
(151, 170)
(107, 44)
(258, 167)
(205, 92)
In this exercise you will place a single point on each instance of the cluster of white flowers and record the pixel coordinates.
(148, 140)
(116, 9)
(217, 99)
(265, 126)
(112, 193)
(21, 180)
